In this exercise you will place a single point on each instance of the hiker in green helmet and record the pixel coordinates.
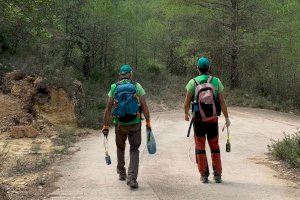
(126, 102)
(206, 94)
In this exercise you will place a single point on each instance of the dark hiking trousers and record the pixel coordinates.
(211, 132)
(133, 133)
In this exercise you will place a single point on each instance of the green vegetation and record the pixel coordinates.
(4, 153)
(65, 138)
(35, 149)
(253, 45)
(41, 180)
(25, 165)
(240, 97)
(287, 149)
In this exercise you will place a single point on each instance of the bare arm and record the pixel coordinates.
(145, 108)
(223, 105)
(107, 111)
(187, 105)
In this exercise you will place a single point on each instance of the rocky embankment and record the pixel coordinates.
(37, 125)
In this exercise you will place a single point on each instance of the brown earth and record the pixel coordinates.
(23, 131)
(33, 120)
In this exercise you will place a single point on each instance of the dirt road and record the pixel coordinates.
(172, 173)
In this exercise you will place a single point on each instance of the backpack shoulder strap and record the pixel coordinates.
(209, 80)
(196, 82)
(117, 84)
(135, 85)
(121, 81)
(131, 81)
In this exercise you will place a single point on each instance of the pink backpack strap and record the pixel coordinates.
(209, 79)
(213, 118)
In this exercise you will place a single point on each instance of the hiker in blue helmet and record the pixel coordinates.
(203, 63)
(127, 100)
(206, 94)
(126, 69)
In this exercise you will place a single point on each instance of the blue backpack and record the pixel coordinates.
(126, 105)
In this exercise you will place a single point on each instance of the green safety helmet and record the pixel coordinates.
(203, 63)
(125, 69)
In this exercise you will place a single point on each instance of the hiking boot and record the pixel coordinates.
(218, 178)
(204, 179)
(122, 177)
(133, 184)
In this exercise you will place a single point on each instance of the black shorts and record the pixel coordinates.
(210, 129)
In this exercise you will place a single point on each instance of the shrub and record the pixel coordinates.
(24, 165)
(155, 68)
(90, 106)
(35, 149)
(5, 68)
(287, 149)
(66, 137)
(4, 153)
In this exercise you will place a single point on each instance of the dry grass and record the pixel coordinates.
(247, 98)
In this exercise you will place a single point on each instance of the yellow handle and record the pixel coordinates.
(228, 138)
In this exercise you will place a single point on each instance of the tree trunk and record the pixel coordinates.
(86, 66)
(136, 56)
(67, 45)
(126, 48)
(234, 81)
(170, 64)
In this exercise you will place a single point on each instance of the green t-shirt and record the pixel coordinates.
(219, 88)
(139, 92)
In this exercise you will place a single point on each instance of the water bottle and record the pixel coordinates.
(151, 144)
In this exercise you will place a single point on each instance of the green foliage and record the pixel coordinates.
(92, 104)
(4, 69)
(164, 87)
(91, 114)
(24, 166)
(66, 138)
(253, 45)
(155, 68)
(287, 149)
(41, 180)
(35, 149)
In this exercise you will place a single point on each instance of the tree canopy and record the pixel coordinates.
(253, 44)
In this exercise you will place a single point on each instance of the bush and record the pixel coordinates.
(249, 98)
(24, 165)
(90, 106)
(287, 149)
(155, 68)
(89, 113)
(66, 137)
(5, 68)
(4, 154)
(35, 149)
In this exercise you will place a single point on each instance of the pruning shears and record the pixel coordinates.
(107, 156)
